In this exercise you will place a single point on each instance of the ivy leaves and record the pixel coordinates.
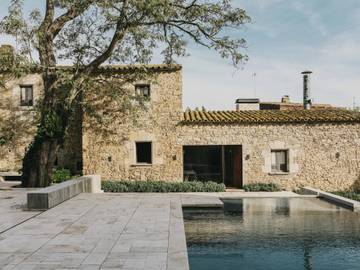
(52, 125)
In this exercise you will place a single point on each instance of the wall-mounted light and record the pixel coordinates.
(247, 157)
(109, 158)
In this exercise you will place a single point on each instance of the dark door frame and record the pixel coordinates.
(240, 180)
(232, 165)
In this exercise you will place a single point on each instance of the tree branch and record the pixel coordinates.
(47, 58)
(71, 14)
(119, 34)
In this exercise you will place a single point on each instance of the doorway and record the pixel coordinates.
(233, 166)
(217, 163)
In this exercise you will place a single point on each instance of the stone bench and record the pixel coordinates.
(353, 205)
(51, 196)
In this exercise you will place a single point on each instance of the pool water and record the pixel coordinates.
(273, 233)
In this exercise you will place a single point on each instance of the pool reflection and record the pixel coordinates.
(268, 233)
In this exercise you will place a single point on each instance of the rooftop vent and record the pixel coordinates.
(306, 85)
(247, 104)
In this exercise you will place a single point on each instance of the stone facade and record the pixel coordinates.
(321, 154)
(19, 118)
(325, 156)
(23, 121)
(114, 156)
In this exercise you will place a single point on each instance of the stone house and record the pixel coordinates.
(319, 148)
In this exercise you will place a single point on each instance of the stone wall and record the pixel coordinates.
(112, 154)
(325, 156)
(21, 119)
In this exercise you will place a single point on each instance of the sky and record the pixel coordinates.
(284, 38)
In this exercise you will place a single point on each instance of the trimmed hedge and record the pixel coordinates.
(271, 187)
(161, 186)
(348, 194)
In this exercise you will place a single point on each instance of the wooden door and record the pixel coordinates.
(233, 166)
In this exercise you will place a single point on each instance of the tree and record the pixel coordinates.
(90, 33)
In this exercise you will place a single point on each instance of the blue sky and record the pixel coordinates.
(285, 38)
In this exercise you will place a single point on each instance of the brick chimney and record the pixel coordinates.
(285, 99)
(7, 53)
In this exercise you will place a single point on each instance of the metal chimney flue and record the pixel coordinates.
(306, 82)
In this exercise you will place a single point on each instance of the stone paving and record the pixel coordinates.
(12, 204)
(100, 231)
(7, 185)
(104, 231)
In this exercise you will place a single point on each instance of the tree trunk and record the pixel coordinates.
(39, 161)
(41, 155)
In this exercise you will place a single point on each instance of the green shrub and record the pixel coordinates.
(262, 187)
(60, 175)
(348, 194)
(161, 186)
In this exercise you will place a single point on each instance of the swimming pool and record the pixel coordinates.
(273, 233)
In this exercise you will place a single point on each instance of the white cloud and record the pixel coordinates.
(216, 86)
(342, 48)
(313, 17)
(264, 4)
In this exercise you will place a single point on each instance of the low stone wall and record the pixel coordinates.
(353, 205)
(49, 197)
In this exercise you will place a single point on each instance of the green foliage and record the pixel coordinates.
(60, 175)
(137, 28)
(262, 187)
(89, 33)
(348, 194)
(14, 127)
(52, 125)
(161, 186)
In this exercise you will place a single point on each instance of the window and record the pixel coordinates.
(26, 95)
(143, 90)
(143, 152)
(279, 161)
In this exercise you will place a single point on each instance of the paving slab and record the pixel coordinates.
(7, 185)
(100, 231)
(12, 205)
(201, 200)
(213, 199)
(103, 231)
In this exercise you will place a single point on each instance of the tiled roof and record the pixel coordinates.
(270, 116)
(159, 67)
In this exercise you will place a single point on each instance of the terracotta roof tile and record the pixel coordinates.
(159, 67)
(133, 67)
(271, 116)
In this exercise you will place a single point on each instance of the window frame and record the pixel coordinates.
(23, 101)
(151, 154)
(278, 169)
(138, 90)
